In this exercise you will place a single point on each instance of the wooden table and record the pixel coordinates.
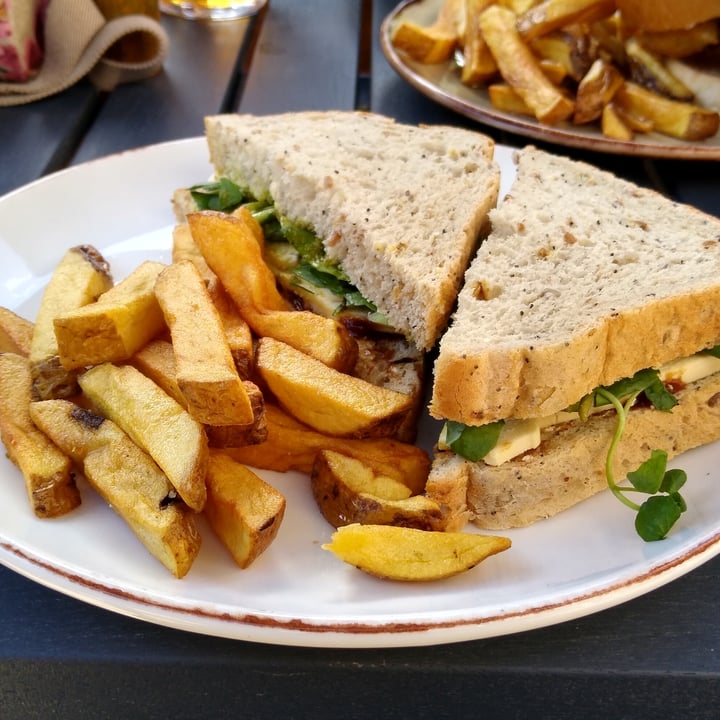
(658, 655)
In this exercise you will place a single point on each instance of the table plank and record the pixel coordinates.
(301, 64)
(195, 81)
(41, 136)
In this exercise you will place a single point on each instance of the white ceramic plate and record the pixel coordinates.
(587, 559)
(441, 82)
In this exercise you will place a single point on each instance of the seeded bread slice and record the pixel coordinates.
(569, 464)
(585, 279)
(401, 207)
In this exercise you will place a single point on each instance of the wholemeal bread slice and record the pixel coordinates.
(569, 464)
(584, 279)
(400, 207)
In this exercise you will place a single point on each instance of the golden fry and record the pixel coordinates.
(15, 333)
(205, 370)
(325, 399)
(47, 471)
(80, 277)
(677, 119)
(155, 422)
(243, 510)
(290, 445)
(520, 68)
(346, 491)
(407, 554)
(127, 479)
(111, 329)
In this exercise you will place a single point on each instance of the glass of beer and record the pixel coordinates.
(212, 9)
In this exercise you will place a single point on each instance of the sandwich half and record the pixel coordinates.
(366, 220)
(584, 281)
(399, 208)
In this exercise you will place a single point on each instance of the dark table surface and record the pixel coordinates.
(655, 656)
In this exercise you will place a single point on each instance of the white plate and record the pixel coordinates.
(587, 559)
(441, 82)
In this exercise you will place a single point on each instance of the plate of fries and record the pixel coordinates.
(565, 72)
(260, 574)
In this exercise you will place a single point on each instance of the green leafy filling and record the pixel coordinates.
(315, 268)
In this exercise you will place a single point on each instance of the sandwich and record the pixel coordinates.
(584, 346)
(366, 220)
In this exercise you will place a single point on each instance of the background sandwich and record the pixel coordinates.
(585, 280)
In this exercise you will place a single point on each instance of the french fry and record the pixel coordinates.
(237, 330)
(230, 247)
(80, 277)
(327, 400)
(596, 90)
(677, 119)
(648, 70)
(411, 555)
(157, 361)
(155, 422)
(504, 98)
(111, 329)
(550, 15)
(47, 471)
(520, 68)
(479, 64)
(290, 445)
(613, 125)
(15, 333)
(127, 479)
(569, 50)
(205, 370)
(242, 509)
(436, 43)
(346, 491)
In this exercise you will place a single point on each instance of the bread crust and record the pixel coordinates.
(569, 465)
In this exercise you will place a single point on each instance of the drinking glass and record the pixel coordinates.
(212, 9)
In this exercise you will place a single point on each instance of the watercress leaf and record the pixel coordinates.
(629, 386)
(222, 195)
(656, 517)
(660, 396)
(680, 500)
(714, 351)
(674, 479)
(472, 442)
(649, 476)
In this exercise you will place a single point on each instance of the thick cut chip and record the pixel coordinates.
(408, 554)
(15, 333)
(155, 422)
(325, 399)
(520, 68)
(206, 372)
(290, 445)
(80, 277)
(157, 361)
(243, 510)
(348, 491)
(47, 471)
(127, 478)
(110, 330)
